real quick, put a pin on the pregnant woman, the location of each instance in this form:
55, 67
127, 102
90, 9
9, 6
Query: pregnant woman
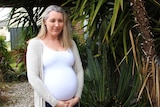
54, 67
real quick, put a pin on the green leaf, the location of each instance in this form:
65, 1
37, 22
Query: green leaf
99, 4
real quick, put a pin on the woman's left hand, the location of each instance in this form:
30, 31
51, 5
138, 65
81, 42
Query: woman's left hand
72, 102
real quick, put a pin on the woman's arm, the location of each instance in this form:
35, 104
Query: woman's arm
78, 69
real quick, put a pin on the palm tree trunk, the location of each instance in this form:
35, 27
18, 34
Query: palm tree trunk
148, 50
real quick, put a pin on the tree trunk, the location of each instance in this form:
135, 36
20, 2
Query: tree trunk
148, 51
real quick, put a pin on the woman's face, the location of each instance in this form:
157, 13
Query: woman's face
54, 23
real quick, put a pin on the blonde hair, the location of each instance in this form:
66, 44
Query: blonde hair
65, 35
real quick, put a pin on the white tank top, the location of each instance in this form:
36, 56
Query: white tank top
59, 77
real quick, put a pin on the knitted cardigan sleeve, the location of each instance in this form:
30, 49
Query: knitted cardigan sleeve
34, 71
78, 69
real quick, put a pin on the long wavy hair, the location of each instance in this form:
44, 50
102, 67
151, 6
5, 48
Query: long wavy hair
65, 35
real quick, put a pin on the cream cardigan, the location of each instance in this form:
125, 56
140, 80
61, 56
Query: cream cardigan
35, 73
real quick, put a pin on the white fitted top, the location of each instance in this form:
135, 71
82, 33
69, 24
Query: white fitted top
59, 77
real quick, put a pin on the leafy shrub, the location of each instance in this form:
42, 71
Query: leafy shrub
5, 68
20, 55
106, 85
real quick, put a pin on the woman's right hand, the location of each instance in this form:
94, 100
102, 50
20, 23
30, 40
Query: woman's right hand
61, 104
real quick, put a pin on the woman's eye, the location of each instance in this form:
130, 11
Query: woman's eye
52, 20
57, 21
60, 20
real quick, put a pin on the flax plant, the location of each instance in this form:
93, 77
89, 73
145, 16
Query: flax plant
104, 88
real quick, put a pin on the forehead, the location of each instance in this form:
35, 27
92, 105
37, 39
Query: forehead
55, 14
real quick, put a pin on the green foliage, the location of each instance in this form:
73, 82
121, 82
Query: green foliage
5, 69
9, 73
105, 87
107, 21
95, 90
20, 55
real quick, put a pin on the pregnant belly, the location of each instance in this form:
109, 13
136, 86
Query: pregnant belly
61, 83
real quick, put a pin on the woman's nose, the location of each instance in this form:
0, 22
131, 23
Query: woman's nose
56, 23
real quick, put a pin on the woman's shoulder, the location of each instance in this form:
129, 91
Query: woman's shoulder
73, 42
34, 41
74, 45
